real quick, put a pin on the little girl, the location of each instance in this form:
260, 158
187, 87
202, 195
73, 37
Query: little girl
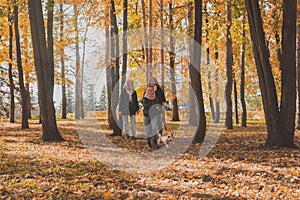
151, 115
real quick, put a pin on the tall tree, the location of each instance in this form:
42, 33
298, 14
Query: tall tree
107, 65
162, 44
10, 72
150, 51
218, 111
125, 53
298, 64
62, 63
193, 114
242, 68
144, 25
280, 120
115, 66
195, 74
229, 63
236, 111
44, 72
23, 91
79, 71
175, 114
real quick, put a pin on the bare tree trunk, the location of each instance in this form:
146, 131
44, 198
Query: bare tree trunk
150, 52
26, 73
62, 63
242, 68
211, 101
23, 91
229, 60
27, 87
108, 65
175, 114
162, 45
115, 68
145, 40
236, 111
288, 79
50, 9
44, 72
125, 29
298, 69
79, 71
193, 114
195, 72
280, 121
10, 74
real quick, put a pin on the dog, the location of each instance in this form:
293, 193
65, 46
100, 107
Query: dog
165, 139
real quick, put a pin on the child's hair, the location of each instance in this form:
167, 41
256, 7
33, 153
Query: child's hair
150, 85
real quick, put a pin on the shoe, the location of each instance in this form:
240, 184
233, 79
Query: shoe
126, 137
133, 138
149, 143
154, 139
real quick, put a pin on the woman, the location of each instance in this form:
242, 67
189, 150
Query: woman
159, 93
151, 115
129, 106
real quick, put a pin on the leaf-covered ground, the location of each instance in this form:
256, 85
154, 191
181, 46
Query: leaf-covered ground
237, 168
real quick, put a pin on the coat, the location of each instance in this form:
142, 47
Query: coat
147, 104
127, 107
160, 94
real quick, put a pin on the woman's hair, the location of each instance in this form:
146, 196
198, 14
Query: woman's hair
152, 79
126, 84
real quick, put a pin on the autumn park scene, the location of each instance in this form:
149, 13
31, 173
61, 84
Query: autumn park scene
144, 99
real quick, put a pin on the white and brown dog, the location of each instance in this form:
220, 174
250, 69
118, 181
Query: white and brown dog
165, 139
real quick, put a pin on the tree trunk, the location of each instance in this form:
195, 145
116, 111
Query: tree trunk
236, 111
162, 45
125, 53
10, 73
218, 112
242, 68
175, 114
229, 61
211, 101
44, 72
195, 74
79, 71
114, 71
298, 68
145, 40
27, 87
150, 51
288, 79
23, 91
107, 66
193, 114
280, 121
62, 63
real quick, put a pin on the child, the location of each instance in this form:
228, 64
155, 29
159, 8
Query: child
151, 115
129, 106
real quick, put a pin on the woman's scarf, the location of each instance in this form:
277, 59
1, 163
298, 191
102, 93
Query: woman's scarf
150, 97
129, 92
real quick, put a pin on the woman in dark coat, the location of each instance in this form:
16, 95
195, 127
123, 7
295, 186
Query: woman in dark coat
151, 115
159, 93
129, 106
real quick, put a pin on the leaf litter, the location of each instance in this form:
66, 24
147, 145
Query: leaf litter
236, 168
